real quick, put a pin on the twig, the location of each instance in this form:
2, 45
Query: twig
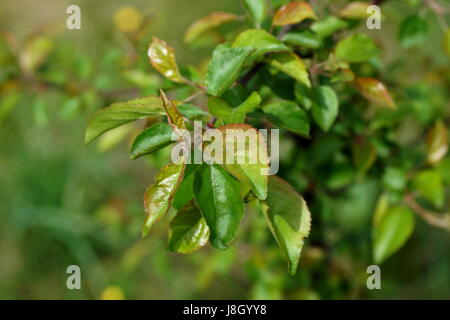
435, 219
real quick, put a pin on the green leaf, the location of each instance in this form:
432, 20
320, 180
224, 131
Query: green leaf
325, 107
158, 197
257, 11
192, 112
375, 91
303, 95
356, 48
151, 139
162, 57
120, 113
290, 64
303, 38
429, 184
328, 26
207, 23
221, 110
252, 169
262, 41
217, 194
185, 192
224, 68
293, 12
413, 31
364, 155
391, 232
288, 115
437, 142
188, 230
288, 218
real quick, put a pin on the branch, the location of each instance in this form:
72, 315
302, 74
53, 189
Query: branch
432, 218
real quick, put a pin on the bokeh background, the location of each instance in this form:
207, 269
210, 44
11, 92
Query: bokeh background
62, 203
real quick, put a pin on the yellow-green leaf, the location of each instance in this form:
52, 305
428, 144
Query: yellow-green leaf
209, 22
162, 57
290, 64
375, 91
188, 230
355, 10
120, 113
293, 12
288, 218
158, 197
437, 142
391, 233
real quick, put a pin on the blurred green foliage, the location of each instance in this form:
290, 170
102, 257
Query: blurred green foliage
63, 204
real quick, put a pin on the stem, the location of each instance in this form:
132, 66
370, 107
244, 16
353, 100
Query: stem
432, 218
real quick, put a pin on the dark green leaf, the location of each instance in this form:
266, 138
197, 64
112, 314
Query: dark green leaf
413, 31
151, 139
217, 194
288, 115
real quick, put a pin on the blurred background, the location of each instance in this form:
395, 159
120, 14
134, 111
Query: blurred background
62, 203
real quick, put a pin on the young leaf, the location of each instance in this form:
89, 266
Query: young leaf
219, 109
290, 64
413, 31
158, 197
293, 12
174, 117
217, 194
356, 48
225, 67
207, 23
391, 232
437, 142
262, 41
288, 115
151, 139
188, 230
429, 184
288, 218
375, 91
238, 114
303, 38
257, 11
162, 57
121, 113
252, 171
355, 10
325, 107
